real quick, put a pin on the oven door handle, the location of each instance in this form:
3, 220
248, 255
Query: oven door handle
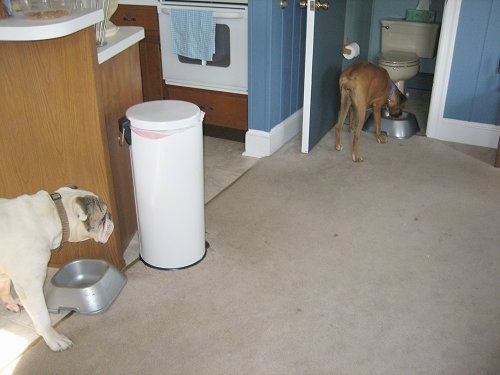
225, 15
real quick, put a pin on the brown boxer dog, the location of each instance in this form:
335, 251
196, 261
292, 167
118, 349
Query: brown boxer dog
364, 85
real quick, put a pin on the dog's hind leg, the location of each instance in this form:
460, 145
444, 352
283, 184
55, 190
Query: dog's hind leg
6, 296
377, 119
352, 119
345, 105
360, 113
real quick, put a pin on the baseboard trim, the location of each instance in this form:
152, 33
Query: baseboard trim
471, 133
259, 144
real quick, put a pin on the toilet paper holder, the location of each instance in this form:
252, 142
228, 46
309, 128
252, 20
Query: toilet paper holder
351, 50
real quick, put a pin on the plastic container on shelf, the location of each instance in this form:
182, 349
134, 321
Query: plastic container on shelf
46, 9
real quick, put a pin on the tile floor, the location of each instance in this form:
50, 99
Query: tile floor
224, 164
418, 103
17, 332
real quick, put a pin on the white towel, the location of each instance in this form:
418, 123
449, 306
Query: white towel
193, 33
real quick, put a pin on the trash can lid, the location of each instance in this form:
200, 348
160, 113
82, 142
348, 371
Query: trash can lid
161, 115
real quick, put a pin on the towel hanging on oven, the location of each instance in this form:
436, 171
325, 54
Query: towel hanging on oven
193, 33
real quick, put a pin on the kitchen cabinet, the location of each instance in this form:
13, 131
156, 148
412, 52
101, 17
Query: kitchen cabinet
59, 125
150, 55
226, 114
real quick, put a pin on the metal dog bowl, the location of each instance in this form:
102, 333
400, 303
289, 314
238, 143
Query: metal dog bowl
403, 126
87, 286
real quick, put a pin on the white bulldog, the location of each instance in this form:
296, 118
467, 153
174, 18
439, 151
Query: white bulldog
30, 227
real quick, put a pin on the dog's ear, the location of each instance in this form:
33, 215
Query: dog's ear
90, 210
79, 208
87, 206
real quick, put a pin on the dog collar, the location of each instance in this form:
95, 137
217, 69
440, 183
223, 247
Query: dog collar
56, 197
391, 93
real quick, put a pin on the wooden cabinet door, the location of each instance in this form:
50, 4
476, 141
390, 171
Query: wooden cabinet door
121, 89
221, 108
51, 128
150, 55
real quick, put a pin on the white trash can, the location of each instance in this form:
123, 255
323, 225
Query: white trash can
167, 164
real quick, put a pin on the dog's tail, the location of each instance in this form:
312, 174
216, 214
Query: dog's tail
346, 90
346, 84
345, 101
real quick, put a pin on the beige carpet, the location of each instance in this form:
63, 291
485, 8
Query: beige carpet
319, 265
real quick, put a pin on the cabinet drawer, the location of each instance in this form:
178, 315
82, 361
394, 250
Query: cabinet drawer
136, 15
221, 108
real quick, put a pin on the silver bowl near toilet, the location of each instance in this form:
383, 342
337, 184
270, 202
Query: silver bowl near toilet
400, 127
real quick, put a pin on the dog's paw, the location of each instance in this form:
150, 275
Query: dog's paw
58, 342
339, 147
356, 159
15, 307
12, 304
381, 138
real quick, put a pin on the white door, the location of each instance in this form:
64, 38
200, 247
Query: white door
323, 65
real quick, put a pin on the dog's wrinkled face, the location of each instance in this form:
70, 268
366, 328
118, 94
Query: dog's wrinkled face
396, 104
88, 215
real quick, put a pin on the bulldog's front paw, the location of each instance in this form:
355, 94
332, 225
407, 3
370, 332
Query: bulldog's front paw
58, 342
339, 147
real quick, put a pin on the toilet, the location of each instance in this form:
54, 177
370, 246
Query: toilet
403, 43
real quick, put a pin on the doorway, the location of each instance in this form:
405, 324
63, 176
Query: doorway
420, 87
362, 18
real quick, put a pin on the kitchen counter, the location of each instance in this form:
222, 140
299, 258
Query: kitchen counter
68, 118
22, 28
123, 39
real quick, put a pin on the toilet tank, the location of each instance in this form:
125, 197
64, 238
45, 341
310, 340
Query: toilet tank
417, 37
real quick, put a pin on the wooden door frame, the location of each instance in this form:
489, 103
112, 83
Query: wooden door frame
307, 81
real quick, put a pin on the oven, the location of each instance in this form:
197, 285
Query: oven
228, 69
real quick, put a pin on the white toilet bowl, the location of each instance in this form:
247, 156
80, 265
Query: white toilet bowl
401, 66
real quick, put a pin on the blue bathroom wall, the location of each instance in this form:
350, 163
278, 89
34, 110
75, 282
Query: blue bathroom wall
357, 27
397, 9
474, 84
276, 62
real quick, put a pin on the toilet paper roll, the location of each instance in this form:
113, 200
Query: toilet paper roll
351, 51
